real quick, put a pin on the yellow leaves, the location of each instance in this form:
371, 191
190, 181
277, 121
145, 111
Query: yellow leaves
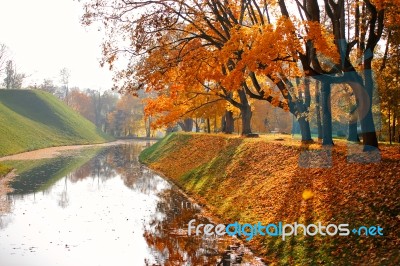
307, 194
275, 101
322, 40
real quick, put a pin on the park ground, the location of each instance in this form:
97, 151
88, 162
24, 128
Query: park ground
252, 180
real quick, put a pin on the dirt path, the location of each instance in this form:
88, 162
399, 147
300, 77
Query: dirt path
52, 152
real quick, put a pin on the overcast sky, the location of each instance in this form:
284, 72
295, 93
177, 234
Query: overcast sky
45, 36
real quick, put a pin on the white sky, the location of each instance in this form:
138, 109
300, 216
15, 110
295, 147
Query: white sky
46, 35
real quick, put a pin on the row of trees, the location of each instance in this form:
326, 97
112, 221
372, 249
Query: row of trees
205, 58
120, 116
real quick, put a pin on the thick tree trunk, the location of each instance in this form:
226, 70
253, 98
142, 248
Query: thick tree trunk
196, 123
353, 134
245, 110
186, 125
302, 118
208, 126
246, 119
305, 129
367, 121
326, 114
227, 122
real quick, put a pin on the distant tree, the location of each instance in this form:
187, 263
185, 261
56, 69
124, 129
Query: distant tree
82, 103
13, 79
9, 75
103, 105
65, 74
128, 117
48, 86
4, 53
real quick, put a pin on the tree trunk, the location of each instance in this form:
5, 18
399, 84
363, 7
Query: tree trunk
305, 129
318, 110
246, 119
353, 135
302, 118
326, 114
394, 127
390, 129
245, 110
398, 130
367, 121
228, 123
208, 125
148, 127
186, 125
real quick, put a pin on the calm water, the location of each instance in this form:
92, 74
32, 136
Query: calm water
102, 207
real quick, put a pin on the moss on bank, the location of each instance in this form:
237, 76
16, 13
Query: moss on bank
251, 180
4, 170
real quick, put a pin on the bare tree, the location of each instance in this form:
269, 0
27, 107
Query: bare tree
4, 54
13, 79
65, 74
48, 86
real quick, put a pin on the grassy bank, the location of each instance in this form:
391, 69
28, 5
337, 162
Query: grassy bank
251, 180
33, 119
4, 170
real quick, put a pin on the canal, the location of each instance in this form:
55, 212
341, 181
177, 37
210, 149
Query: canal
100, 206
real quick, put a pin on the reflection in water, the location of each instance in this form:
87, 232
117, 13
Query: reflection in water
104, 208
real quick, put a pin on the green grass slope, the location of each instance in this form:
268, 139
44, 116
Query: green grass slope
32, 120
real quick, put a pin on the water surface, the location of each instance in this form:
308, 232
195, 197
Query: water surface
100, 206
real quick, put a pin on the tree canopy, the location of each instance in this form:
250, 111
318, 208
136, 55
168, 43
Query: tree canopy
201, 58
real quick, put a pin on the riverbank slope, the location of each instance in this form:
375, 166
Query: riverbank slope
261, 180
32, 120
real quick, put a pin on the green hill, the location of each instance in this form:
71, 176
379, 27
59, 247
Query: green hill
31, 120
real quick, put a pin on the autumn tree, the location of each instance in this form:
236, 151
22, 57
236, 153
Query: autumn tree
82, 103
389, 84
355, 40
187, 22
127, 119
256, 49
104, 104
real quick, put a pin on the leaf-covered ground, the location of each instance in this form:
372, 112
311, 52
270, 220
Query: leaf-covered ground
267, 180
